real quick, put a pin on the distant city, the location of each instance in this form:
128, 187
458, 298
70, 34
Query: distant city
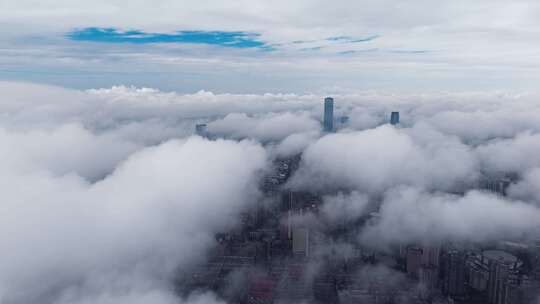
276, 257
270, 152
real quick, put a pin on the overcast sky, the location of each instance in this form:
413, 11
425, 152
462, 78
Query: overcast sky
106, 192
302, 46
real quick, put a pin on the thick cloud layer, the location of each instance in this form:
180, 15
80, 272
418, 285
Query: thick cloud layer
344, 208
378, 159
106, 192
528, 188
410, 215
125, 235
266, 128
64, 149
517, 154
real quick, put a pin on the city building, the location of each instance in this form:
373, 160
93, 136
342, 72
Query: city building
341, 122
528, 292
478, 273
502, 267
414, 261
394, 118
328, 114
421, 257
429, 276
300, 242
454, 270
201, 130
272, 255
430, 255
261, 290
497, 185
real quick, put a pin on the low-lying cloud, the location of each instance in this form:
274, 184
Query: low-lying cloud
107, 193
409, 215
125, 235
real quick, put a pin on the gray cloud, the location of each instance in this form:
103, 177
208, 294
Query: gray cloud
344, 208
106, 193
517, 154
528, 188
494, 49
381, 158
269, 127
64, 149
410, 215
295, 143
135, 227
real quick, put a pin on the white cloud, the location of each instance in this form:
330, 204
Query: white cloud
470, 45
105, 193
381, 158
138, 224
269, 127
408, 215
344, 208
517, 154
295, 143
63, 150
528, 188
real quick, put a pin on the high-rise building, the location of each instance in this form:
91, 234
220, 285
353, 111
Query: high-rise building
201, 130
525, 293
477, 272
414, 261
428, 276
341, 122
328, 114
344, 120
430, 255
502, 266
498, 185
394, 118
300, 242
454, 269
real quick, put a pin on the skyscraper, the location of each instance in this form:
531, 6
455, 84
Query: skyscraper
414, 260
329, 114
300, 242
394, 118
201, 130
501, 266
454, 269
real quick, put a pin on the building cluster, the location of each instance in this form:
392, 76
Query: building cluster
331, 123
282, 253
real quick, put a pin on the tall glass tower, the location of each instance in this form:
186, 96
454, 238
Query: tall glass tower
394, 118
329, 114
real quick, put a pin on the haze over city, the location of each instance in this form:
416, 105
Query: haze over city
269, 152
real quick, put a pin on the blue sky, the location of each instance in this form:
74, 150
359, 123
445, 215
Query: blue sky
254, 46
219, 38
226, 39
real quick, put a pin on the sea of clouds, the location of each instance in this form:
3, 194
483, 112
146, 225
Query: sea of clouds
106, 193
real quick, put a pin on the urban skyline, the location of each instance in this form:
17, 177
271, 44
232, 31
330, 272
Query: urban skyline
256, 152
283, 240
370, 210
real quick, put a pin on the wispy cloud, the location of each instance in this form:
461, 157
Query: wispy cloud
372, 50
333, 41
349, 52
349, 39
219, 38
408, 51
317, 48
